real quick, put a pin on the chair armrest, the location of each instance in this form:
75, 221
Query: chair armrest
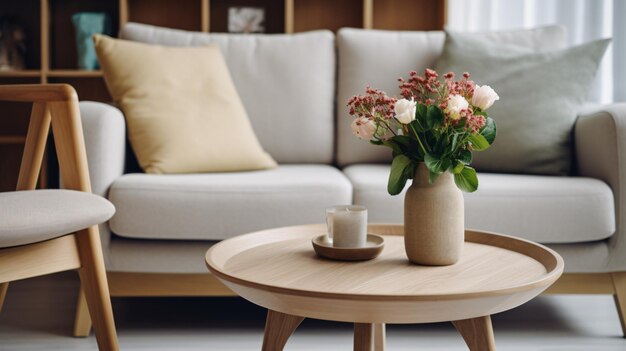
600, 137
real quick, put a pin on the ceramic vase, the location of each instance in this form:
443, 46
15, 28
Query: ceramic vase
434, 220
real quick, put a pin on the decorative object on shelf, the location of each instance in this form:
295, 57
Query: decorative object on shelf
12, 44
432, 129
86, 25
246, 20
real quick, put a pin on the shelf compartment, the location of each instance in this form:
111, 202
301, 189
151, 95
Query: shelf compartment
27, 13
409, 14
179, 14
20, 73
74, 73
327, 14
88, 88
63, 54
10, 160
274, 14
12, 139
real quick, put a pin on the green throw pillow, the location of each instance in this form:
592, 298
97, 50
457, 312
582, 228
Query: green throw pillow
540, 95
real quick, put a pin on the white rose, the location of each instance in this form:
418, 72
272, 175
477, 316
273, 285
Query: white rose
405, 110
484, 97
456, 103
363, 128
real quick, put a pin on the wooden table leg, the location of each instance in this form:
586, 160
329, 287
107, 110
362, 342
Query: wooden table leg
278, 329
369, 337
477, 333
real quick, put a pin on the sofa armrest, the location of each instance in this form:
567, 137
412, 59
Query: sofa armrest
104, 129
105, 140
600, 137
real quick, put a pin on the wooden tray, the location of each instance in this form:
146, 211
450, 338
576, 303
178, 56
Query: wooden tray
278, 270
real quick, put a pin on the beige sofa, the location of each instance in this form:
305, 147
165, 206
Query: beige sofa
294, 88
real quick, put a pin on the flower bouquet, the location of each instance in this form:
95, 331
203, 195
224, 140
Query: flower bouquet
437, 122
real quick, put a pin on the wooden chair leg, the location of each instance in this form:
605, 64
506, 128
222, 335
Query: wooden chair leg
619, 284
82, 321
278, 329
93, 280
477, 333
3, 293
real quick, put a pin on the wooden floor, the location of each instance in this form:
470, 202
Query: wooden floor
38, 316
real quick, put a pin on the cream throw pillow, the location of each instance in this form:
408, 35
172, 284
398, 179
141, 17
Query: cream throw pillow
182, 109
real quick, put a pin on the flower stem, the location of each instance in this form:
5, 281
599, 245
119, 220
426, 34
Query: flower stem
418, 139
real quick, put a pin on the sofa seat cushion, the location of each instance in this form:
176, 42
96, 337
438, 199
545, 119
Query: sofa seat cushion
540, 208
221, 205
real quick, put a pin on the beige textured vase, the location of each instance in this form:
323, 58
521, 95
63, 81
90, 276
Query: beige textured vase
434, 220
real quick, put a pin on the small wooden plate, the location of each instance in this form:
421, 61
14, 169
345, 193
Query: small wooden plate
373, 247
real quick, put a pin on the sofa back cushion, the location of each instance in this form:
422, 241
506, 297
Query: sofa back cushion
286, 83
378, 58
182, 110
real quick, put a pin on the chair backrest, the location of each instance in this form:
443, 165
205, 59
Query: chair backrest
54, 105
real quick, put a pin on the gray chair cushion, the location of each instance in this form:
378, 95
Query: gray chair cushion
32, 216
540, 208
216, 206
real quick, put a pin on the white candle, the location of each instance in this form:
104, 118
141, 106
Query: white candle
347, 225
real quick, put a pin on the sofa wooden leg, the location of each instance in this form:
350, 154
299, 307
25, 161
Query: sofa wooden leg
82, 322
619, 283
3, 293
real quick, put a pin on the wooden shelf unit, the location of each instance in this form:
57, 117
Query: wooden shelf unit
51, 48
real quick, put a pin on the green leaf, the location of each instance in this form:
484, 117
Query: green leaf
398, 174
434, 117
436, 164
480, 112
418, 126
455, 140
458, 168
479, 142
394, 146
465, 157
421, 112
376, 142
489, 130
466, 179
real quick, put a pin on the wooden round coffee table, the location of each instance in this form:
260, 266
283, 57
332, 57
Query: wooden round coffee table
277, 269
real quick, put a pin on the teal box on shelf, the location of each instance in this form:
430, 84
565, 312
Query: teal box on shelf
87, 24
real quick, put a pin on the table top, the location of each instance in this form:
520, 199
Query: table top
282, 260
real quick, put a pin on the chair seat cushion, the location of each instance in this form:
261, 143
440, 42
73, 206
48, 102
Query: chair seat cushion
545, 209
32, 216
221, 205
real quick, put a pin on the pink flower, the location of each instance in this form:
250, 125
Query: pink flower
363, 128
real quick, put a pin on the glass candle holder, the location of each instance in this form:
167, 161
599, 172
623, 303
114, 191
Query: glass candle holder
347, 225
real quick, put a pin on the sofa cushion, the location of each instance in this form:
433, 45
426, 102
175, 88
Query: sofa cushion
378, 58
183, 112
286, 83
540, 95
540, 208
218, 206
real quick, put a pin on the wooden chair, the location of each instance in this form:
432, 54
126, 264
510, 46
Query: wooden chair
47, 231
